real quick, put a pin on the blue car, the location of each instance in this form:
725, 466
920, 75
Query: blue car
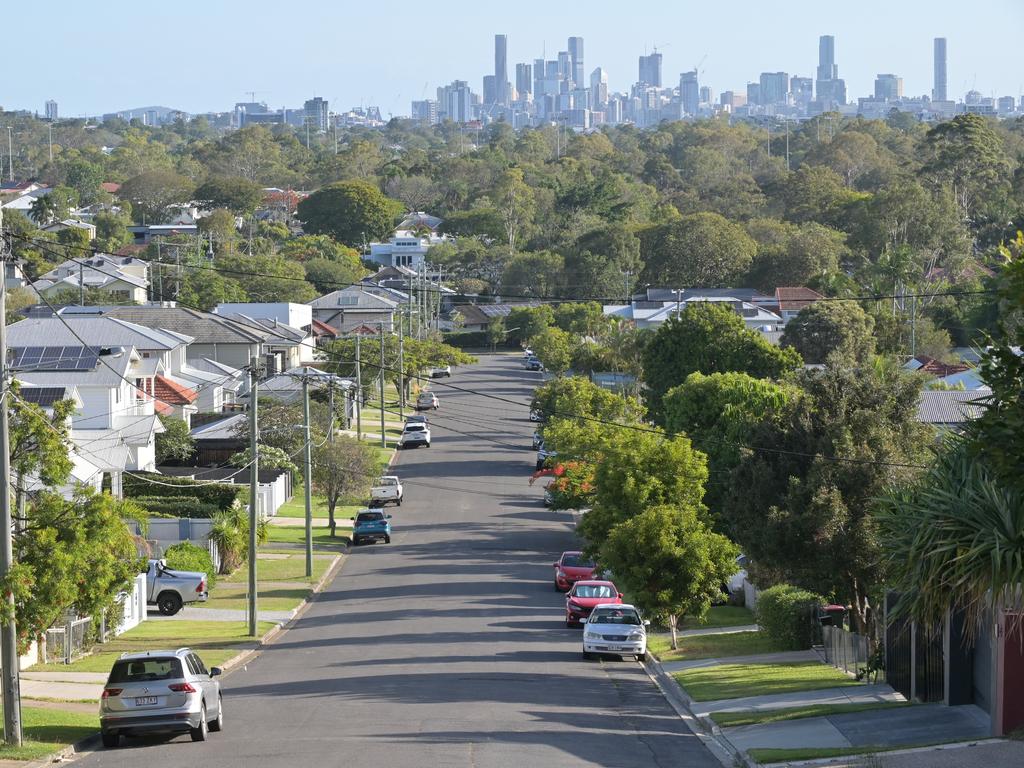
371, 525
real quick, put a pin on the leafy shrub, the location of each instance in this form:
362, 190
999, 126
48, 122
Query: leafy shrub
186, 556
223, 495
177, 506
787, 614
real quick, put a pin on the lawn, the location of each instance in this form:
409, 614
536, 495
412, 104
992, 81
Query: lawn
47, 730
713, 646
720, 616
760, 717
296, 534
766, 755
233, 597
292, 568
215, 641
730, 681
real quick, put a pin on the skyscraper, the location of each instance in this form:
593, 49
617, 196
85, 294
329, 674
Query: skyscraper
939, 89
316, 114
51, 110
888, 87
501, 69
598, 88
802, 89
689, 92
576, 61
774, 87
524, 80
827, 69
831, 90
650, 70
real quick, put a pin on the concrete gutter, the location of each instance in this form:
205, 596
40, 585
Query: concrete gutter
854, 761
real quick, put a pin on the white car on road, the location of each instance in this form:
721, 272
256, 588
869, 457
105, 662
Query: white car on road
414, 435
616, 629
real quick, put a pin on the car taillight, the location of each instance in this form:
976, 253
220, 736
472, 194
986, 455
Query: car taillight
182, 688
202, 587
108, 692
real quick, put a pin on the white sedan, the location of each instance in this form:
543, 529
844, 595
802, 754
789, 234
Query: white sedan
616, 629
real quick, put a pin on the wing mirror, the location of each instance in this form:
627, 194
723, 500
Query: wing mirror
647, 622
583, 620
216, 672
554, 565
388, 516
621, 595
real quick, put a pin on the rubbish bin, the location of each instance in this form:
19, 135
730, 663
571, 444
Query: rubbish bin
832, 616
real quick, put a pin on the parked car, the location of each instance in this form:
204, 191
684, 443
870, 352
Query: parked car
572, 567
615, 629
427, 400
169, 590
444, 372
160, 692
536, 414
417, 418
537, 440
584, 595
533, 364
414, 435
387, 488
543, 454
371, 525
549, 496
527, 353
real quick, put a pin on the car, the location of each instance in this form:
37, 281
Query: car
536, 415
414, 435
527, 353
533, 364
615, 628
584, 595
160, 692
537, 440
549, 496
571, 567
386, 488
443, 372
427, 400
170, 589
371, 525
416, 418
543, 454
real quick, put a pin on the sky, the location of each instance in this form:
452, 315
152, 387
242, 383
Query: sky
110, 55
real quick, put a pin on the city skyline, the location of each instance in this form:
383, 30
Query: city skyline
373, 75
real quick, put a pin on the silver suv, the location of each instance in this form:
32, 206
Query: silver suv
160, 692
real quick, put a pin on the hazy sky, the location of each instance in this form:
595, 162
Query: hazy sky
107, 55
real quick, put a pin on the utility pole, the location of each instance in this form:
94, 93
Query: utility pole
50, 126
81, 284
308, 478
401, 365
9, 631
359, 391
383, 433
787, 143
330, 394
255, 368
913, 325
10, 154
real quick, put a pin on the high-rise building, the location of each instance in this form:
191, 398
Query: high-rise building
524, 80
1006, 105
576, 61
316, 116
598, 88
490, 90
689, 92
888, 87
501, 94
831, 90
802, 89
827, 68
51, 110
731, 99
774, 87
706, 94
650, 70
538, 77
939, 92
753, 93
564, 65
425, 111
456, 101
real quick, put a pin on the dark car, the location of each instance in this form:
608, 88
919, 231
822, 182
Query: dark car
533, 364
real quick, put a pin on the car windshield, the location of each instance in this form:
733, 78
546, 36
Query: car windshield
144, 670
590, 590
370, 517
576, 561
414, 428
615, 617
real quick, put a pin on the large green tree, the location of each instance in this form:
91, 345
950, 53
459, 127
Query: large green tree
553, 348
152, 193
342, 469
352, 212
239, 195
831, 328
703, 250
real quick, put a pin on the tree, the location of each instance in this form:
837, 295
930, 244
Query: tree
269, 277
175, 442
533, 274
221, 227
708, 338
342, 469
704, 250
152, 193
553, 347
585, 318
515, 204
239, 195
329, 276
528, 322
416, 193
39, 443
352, 212
604, 262
670, 561
831, 328
817, 193
53, 206
324, 247
112, 231
574, 397
85, 178
793, 255
496, 332
205, 289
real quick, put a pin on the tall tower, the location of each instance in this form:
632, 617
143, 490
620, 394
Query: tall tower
501, 69
939, 91
650, 70
689, 92
827, 69
576, 61
830, 89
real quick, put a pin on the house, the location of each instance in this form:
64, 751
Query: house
356, 305
288, 318
217, 441
418, 220
405, 248
22, 196
951, 409
477, 317
123, 278
60, 226
651, 313
144, 233
789, 301
287, 387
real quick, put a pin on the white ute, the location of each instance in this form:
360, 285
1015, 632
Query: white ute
387, 489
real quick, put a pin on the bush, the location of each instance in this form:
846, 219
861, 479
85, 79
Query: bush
186, 556
177, 506
223, 495
787, 614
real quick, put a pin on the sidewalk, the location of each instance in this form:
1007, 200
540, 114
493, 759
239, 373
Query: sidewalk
64, 686
867, 694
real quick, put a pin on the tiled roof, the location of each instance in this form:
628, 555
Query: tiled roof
172, 392
323, 329
933, 367
796, 298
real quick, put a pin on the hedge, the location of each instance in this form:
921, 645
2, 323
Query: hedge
177, 506
222, 495
186, 556
788, 614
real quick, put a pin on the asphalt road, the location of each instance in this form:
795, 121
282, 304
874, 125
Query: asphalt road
446, 647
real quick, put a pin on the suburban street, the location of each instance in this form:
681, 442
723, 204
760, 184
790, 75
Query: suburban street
446, 647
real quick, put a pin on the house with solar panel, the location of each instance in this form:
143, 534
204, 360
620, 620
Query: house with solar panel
124, 278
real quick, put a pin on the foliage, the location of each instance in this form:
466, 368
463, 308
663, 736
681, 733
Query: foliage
186, 556
238, 195
54, 206
112, 231
793, 255
342, 469
574, 488
703, 249
268, 277
329, 276
670, 561
271, 457
553, 347
230, 532
523, 323
585, 318
152, 193
352, 212
570, 397
39, 442
175, 442
533, 274
309, 247
787, 614
831, 328
177, 506
223, 495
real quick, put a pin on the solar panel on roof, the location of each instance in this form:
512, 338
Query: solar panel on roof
44, 397
54, 358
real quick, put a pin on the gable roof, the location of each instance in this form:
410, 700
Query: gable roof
171, 392
204, 328
951, 407
476, 314
98, 331
933, 367
362, 297
795, 299
320, 329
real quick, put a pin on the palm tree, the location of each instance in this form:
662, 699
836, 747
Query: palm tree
955, 541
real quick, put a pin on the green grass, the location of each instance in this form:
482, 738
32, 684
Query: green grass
722, 616
47, 730
730, 681
296, 534
215, 641
769, 755
713, 646
761, 717
233, 597
291, 569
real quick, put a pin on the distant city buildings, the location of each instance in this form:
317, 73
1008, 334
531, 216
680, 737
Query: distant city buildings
888, 87
939, 88
51, 110
317, 116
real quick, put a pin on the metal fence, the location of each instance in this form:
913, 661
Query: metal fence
65, 644
845, 650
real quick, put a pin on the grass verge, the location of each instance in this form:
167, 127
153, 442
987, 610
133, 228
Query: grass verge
721, 616
769, 755
713, 646
731, 681
762, 717
291, 568
47, 730
296, 534
233, 597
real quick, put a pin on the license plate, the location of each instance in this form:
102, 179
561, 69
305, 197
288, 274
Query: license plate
619, 648
145, 701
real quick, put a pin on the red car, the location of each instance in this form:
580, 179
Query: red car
584, 595
570, 568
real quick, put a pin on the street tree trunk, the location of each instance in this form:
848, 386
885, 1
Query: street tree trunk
673, 625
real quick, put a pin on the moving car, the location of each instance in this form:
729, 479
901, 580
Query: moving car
584, 595
570, 568
414, 435
444, 372
427, 400
543, 454
537, 440
169, 590
615, 629
536, 414
371, 525
160, 692
533, 364
387, 488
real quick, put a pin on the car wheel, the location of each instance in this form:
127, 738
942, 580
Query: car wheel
356, 541
641, 657
111, 740
200, 733
169, 603
218, 725
428, 445
387, 539
587, 655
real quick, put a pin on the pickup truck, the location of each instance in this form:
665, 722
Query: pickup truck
169, 590
371, 525
387, 488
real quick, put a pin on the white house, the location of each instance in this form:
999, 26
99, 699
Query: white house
124, 278
652, 313
84, 226
285, 318
405, 248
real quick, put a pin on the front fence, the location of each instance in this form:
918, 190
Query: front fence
844, 650
65, 644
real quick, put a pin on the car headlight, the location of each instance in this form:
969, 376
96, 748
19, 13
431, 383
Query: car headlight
591, 635
636, 635
561, 575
